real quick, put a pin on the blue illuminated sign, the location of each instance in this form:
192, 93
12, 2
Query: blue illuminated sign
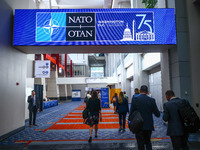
94, 27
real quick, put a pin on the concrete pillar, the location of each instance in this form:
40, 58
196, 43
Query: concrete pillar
69, 91
179, 56
52, 88
29, 81
136, 71
123, 73
161, 4
165, 75
62, 92
140, 77
193, 15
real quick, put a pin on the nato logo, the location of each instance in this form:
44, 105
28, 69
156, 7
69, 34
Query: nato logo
50, 27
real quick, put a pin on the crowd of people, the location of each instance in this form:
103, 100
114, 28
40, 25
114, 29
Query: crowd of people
146, 105
142, 102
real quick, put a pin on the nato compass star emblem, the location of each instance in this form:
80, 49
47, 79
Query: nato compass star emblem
51, 27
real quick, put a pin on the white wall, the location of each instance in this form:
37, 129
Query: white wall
79, 58
155, 88
13, 70
150, 60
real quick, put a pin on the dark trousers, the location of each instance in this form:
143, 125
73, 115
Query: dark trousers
180, 142
144, 139
32, 115
122, 116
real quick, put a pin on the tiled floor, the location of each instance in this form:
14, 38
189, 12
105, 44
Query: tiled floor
62, 127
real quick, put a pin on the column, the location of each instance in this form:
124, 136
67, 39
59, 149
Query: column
179, 56
62, 92
52, 88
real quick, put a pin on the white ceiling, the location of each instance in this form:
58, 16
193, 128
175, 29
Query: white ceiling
80, 3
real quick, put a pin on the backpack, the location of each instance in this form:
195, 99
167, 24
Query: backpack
85, 114
189, 117
136, 122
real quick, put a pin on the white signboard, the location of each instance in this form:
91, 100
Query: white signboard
42, 69
96, 80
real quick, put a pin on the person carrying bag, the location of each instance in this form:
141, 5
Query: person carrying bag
143, 107
135, 120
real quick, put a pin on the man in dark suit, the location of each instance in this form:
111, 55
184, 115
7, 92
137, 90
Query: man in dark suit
33, 107
146, 106
175, 128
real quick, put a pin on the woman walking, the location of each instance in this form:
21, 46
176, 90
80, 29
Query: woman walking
114, 99
94, 109
122, 109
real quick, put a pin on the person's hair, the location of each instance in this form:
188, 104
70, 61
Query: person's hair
170, 93
121, 97
136, 91
33, 91
124, 92
144, 89
94, 95
115, 95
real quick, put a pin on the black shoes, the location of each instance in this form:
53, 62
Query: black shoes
120, 129
123, 130
95, 136
90, 139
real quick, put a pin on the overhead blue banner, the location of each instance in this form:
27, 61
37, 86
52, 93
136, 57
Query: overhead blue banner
94, 27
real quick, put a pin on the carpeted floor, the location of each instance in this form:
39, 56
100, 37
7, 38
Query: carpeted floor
63, 124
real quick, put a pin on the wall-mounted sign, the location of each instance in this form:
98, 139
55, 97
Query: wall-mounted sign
76, 95
94, 27
42, 69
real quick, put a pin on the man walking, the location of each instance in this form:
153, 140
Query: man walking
33, 107
146, 106
175, 128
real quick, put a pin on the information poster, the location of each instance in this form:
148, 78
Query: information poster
76, 95
42, 69
105, 97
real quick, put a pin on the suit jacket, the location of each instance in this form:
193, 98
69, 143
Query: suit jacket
123, 107
175, 125
30, 102
147, 107
133, 97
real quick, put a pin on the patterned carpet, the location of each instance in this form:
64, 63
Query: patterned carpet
63, 124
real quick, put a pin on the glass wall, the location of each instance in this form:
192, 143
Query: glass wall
97, 71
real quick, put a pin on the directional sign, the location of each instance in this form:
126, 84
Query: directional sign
42, 69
